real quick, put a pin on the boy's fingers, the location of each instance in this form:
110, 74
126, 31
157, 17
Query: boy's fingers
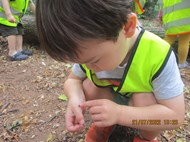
79, 116
69, 123
82, 106
80, 120
91, 103
72, 126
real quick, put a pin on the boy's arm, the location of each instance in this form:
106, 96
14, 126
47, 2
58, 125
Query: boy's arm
73, 87
170, 107
74, 114
168, 91
7, 10
168, 113
32, 6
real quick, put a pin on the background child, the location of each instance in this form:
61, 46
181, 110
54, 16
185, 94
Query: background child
139, 4
11, 13
122, 72
175, 17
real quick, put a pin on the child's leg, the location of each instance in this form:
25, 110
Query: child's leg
94, 133
138, 100
93, 92
145, 99
11, 44
170, 39
183, 47
19, 41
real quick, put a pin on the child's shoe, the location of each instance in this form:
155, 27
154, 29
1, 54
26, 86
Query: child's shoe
18, 57
184, 65
137, 139
26, 52
98, 134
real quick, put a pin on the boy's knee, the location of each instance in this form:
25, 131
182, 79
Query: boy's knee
143, 99
92, 92
89, 88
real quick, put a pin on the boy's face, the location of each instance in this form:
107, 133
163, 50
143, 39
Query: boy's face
103, 55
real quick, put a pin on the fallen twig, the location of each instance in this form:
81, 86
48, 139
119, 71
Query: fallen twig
49, 120
13, 110
5, 106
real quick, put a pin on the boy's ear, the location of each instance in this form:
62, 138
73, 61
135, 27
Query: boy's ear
130, 26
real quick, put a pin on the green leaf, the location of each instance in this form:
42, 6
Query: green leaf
188, 114
50, 137
63, 97
180, 140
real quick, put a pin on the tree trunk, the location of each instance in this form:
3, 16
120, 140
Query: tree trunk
30, 35
150, 8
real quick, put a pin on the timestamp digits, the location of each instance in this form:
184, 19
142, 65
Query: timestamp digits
171, 122
146, 122
155, 122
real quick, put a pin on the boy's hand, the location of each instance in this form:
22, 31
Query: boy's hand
74, 117
103, 112
11, 18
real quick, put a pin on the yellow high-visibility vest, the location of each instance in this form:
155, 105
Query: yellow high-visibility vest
18, 9
176, 16
146, 62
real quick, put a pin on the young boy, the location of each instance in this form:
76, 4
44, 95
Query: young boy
11, 12
122, 74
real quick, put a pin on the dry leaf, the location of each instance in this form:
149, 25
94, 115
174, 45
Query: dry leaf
50, 137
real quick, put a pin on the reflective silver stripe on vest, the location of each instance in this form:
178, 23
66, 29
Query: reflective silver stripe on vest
178, 6
180, 22
13, 11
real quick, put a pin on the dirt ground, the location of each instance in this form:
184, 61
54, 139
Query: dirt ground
30, 110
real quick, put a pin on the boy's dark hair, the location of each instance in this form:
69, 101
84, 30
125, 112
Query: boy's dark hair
63, 24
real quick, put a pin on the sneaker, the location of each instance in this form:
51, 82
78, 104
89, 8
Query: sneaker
26, 52
184, 65
18, 57
137, 139
98, 134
